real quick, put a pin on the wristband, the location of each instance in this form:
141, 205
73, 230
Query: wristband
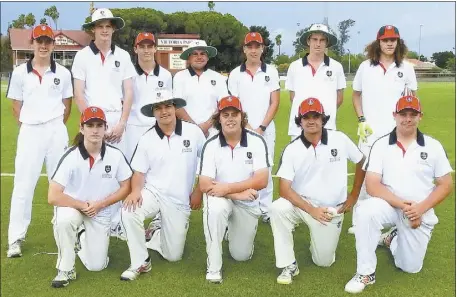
263, 128
361, 119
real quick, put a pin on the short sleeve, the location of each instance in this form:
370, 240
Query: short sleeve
68, 85
411, 81
341, 78
374, 161
442, 165
222, 90
261, 157
124, 171
169, 82
129, 70
62, 174
78, 68
286, 165
353, 152
201, 139
274, 80
207, 166
233, 83
178, 86
289, 85
140, 160
15, 86
357, 83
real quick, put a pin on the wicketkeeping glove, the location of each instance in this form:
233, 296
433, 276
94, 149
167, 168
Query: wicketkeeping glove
364, 130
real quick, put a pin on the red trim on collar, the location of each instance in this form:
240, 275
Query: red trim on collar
402, 147
38, 74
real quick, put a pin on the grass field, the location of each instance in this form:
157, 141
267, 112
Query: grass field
31, 275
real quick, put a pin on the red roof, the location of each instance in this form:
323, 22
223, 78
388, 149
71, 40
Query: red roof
20, 39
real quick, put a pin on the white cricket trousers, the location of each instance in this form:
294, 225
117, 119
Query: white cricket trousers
266, 195
94, 240
365, 149
133, 134
35, 144
284, 216
408, 247
169, 241
220, 213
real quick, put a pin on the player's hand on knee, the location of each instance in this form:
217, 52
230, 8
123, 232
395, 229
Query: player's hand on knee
133, 201
416, 223
195, 201
218, 189
249, 195
321, 214
90, 210
348, 204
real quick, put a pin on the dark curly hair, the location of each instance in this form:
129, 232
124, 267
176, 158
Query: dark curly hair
373, 51
324, 120
215, 120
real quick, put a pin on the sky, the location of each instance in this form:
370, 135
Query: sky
437, 32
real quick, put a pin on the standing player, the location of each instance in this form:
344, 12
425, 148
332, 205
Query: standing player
257, 86
90, 177
164, 164
103, 75
316, 75
377, 85
234, 166
408, 174
313, 189
199, 86
151, 78
40, 91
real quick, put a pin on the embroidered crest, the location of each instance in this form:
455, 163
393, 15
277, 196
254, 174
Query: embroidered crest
186, 143
56, 81
102, 12
400, 74
310, 101
229, 99
329, 73
146, 34
43, 28
253, 34
389, 27
159, 95
424, 155
108, 168
160, 83
249, 155
267, 78
213, 82
409, 99
117, 63
93, 109
334, 152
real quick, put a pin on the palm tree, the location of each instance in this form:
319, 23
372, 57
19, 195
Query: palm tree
278, 42
52, 13
211, 5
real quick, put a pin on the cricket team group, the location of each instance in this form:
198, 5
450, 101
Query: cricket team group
153, 146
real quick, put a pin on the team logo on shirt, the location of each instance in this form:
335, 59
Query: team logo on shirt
329, 73
249, 156
213, 82
160, 83
334, 153
424, 155
267, 78
400, 74
186, 148
117, 64
56, 81
108, 168
107, 172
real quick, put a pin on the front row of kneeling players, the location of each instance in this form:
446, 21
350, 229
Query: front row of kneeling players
234, 164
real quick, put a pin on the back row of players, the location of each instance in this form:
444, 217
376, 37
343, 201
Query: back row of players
129, 108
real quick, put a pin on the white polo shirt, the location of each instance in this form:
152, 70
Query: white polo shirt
381, 88
81, 182
321, 83
200, 92
41, 96
144, 87
225, 164
410, 173
170, 163
254, 90
319, 173
103, 75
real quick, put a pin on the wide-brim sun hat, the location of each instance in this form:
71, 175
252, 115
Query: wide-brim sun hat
103, 14
160, 97
199, 45
319, 28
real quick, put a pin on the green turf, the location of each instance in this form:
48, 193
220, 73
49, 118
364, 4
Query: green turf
31, 275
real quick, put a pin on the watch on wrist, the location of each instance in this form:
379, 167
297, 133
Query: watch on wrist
361, 119
263, 128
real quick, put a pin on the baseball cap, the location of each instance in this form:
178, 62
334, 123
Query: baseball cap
408, 102
310, 105
229, 101
144, 36
253, 37
91, 113
42, 30
388, 31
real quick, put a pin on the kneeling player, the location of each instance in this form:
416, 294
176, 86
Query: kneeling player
90, 177
313, 189
164, 164
408, 174
233, 168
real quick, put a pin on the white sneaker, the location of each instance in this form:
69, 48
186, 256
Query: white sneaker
63, 278
155, 225
14, 249
118, 232
214, 277
265, 218
132, 274
351, 230
285, 278
359, 282
386, 238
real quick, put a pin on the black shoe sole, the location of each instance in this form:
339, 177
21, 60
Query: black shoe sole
59, 284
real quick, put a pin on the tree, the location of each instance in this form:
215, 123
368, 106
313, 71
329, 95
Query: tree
343, 29
30, 20
19, 23
6, 57
450, 64
297, 44
412, 55
282, 59
269, 45
423, 58
282, 68
53, 14
278, 43
440, 58
211, 5
43, 21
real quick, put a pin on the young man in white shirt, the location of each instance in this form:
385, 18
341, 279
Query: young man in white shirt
378, 84
234, 167
41, 92
91, 177
199, 86
313, 189
256, 84
151, 78
164, 164
408, 174
316, 75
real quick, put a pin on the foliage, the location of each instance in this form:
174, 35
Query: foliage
440, 58
53, 14
450, 64
412, 55
278, 42
43, 21
6, 57
343, 29
211, 5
